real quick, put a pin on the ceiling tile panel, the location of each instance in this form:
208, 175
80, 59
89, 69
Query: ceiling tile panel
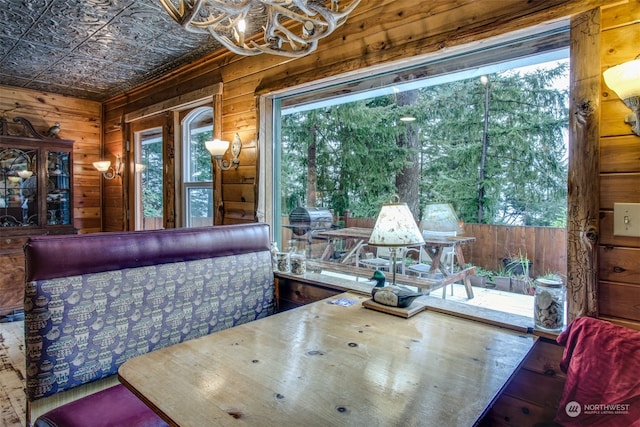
40, 58
93, 49
17, 17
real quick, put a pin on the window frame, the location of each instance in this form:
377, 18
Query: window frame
271, 105
185, 170
174, 109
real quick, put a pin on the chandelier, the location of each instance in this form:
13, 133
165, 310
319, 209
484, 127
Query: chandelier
291, 27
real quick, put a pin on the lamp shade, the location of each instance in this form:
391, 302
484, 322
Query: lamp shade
102, 165
624, 79
25, 174
395, 227
217, 147
440, 217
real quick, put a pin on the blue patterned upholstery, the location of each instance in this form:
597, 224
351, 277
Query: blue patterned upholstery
82, 328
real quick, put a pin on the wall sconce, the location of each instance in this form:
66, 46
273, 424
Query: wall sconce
217, 148
624, 80
109, 172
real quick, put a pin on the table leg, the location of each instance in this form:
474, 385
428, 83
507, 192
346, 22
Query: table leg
434, 253
467, 286
462, 264
328, 251
353, 251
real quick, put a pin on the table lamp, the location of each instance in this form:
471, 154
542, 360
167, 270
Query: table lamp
395, 228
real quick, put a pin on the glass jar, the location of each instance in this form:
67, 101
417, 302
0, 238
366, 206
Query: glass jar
274, 254
549, 303
298, 263
283, 260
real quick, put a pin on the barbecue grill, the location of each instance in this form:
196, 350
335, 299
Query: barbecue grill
305, 220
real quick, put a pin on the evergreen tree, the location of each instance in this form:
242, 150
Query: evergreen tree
356, 155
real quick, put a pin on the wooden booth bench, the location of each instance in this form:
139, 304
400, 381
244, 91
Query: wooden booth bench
93, 301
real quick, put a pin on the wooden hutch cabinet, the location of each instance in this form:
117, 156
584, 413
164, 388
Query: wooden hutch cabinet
36, 197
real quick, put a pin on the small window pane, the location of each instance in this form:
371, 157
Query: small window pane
200, 129
149, 180
199, 207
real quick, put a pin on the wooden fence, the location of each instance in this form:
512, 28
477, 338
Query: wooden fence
546, 247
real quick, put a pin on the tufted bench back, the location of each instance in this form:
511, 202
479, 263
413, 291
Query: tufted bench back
94, 301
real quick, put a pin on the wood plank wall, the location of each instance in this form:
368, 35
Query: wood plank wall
80, 120
619, 267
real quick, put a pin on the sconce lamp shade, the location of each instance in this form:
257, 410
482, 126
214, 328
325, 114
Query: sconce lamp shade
102, 166
217, 147
395, 227
624, 79
25, 174
108, 172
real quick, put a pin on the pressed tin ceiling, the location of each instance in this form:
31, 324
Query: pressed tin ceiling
92, 49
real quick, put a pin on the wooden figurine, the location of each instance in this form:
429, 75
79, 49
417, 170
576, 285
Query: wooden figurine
393, 296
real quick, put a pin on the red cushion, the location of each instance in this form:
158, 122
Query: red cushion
112, 407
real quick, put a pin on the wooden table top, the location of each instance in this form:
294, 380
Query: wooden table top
327, 364
347, 233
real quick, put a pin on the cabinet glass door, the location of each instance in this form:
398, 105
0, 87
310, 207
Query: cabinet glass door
58, 188
18, 187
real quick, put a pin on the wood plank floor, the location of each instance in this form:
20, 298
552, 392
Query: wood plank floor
12, 375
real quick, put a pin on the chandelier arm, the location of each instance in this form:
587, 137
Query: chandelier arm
229, 44
310, 47
227, 11
337, 18
213, 24
279, 10
275, 31
331, 21
171, 10
185, 13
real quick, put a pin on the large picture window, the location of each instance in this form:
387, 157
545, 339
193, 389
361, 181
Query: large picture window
485, 131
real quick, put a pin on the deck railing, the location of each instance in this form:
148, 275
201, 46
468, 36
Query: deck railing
546, 247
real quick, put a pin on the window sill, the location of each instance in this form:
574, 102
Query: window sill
341, 282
